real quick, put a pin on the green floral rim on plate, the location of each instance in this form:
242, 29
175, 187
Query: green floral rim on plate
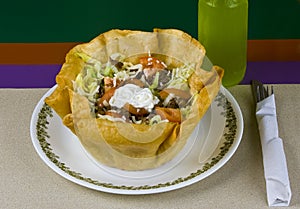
229, 135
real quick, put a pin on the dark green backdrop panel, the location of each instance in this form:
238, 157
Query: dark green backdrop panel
80, 21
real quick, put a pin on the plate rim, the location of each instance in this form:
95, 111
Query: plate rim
159, 188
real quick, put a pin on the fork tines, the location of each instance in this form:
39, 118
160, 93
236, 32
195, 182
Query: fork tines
269, 90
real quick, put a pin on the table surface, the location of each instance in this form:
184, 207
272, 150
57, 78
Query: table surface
27, 182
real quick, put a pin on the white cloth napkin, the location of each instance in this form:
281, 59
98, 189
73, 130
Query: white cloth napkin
275, 167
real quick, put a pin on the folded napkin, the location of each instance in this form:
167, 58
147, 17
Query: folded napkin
275, 167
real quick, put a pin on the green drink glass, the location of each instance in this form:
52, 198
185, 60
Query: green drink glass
222, 29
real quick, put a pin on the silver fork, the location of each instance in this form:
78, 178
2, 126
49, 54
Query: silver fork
274, 159
260, 91
269, 90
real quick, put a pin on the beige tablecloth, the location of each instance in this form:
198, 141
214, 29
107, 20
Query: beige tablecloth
27, 182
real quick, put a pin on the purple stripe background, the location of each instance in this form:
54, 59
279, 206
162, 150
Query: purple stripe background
43, 76
28, 76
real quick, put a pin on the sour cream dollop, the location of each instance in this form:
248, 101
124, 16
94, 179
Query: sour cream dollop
134, 95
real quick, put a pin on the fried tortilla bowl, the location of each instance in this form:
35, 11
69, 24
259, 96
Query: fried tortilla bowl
125, 145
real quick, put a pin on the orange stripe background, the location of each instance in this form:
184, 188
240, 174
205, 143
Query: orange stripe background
274, 50
54, 53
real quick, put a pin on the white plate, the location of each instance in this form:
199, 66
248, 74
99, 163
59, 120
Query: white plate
212, 144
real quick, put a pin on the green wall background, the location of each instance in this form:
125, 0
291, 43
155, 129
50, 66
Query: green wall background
80, 21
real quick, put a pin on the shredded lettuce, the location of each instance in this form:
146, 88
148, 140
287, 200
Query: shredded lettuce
122, 75
87, 83
180, 77
156, 119
109, 71
155, 82
86, 86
